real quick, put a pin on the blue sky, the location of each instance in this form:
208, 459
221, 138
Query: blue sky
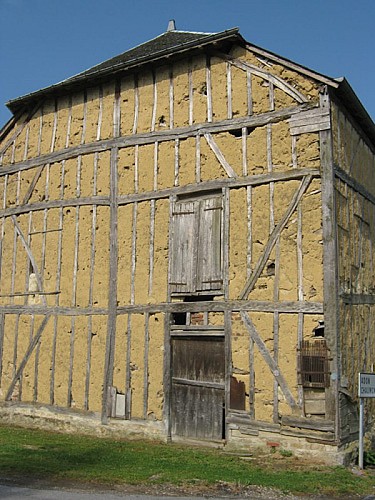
45, 41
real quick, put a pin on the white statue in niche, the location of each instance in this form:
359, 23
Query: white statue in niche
33, 287
33, 283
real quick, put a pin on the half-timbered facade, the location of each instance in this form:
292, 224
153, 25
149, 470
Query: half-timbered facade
187, 243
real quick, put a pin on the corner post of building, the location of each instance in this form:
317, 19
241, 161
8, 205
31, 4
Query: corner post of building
330, 269
112, 288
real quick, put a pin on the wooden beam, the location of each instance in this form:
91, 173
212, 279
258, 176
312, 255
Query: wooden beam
159, 135
112, 286
275, 369
2, 318
73, 202
330, 271
208, 88
26, 357
219, 155
354, 184
274, 235
357, 298
265, 75
31, 257
285, 307
20, 128
145, 366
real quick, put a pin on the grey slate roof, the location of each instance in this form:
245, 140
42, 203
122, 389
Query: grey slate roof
167, 44
167, 41
174, 42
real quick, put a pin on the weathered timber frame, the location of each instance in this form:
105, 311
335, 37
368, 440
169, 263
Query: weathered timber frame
308, 115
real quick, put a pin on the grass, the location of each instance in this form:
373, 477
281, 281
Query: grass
55, 457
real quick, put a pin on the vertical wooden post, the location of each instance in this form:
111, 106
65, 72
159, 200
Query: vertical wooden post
117, 109
249, 93
191, 93
145, 368
3, 223
136, 104
100, 114
154, 101
2, 318
276, 330
209, 88
176, 162
225, 240
58, 281
112, 287
171, 99
91, 285
197, 158
229, 90
330, 272
228, 365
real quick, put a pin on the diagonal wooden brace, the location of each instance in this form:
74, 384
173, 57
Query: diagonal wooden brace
219, 155
250, 283
269, 360
28, 353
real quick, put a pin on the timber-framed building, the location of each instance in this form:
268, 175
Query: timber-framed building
187, 248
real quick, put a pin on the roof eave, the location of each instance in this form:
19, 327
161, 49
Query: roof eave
223, 36
350, 100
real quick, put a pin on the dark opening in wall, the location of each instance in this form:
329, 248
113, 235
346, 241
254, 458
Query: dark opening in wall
238, 131
179, 318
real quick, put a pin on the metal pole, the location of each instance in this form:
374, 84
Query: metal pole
361, 419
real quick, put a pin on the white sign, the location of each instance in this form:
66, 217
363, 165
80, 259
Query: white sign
366, 385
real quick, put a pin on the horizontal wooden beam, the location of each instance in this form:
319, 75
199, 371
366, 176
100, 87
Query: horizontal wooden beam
252, 180
308, 423
72, 202
285, 307
157, 136
351, 182
357, 298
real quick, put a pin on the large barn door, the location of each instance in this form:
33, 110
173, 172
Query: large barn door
198, 391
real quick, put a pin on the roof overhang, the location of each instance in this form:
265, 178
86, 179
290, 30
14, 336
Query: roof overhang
90, 77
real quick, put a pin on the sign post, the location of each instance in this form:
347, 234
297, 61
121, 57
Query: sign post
366, 389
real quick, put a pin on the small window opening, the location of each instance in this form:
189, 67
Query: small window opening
179, 318
319, 330
199, 298
238, 131
271, 269
313, 367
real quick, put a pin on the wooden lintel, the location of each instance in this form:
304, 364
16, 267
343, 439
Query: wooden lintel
159, 135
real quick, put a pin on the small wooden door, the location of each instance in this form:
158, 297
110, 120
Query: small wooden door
198, 390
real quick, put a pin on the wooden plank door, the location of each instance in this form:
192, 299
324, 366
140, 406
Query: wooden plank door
198, 390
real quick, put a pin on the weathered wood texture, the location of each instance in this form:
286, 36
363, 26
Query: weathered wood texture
163, 221
354, 189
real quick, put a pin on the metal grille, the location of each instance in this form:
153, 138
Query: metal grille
313, 364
